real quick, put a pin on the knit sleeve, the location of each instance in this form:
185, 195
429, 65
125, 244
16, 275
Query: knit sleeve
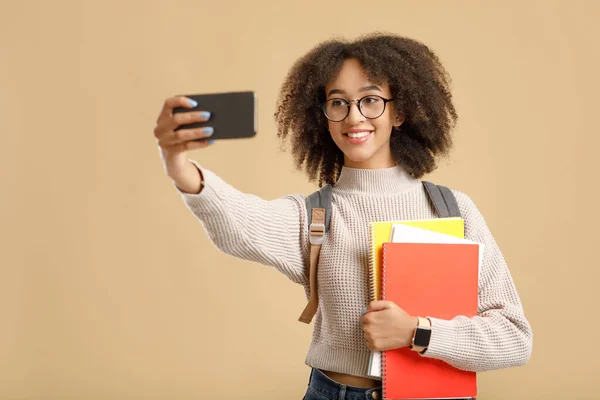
269, 232
499, 336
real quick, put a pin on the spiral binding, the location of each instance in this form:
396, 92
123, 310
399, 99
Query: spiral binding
372, 288
383, 353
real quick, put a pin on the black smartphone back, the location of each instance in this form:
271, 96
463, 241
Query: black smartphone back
233, 114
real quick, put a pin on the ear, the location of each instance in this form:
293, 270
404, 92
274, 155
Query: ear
399, 120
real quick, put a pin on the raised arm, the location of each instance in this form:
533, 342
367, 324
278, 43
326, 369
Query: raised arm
270, 232
243, 225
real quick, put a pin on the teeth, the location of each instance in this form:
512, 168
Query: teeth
359, 134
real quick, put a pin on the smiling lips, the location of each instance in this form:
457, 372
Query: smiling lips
357, 136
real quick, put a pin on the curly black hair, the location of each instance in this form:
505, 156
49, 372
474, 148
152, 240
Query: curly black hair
419, 85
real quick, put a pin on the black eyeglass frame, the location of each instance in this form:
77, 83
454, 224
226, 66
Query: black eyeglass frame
357, 101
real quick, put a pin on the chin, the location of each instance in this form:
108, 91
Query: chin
358, 157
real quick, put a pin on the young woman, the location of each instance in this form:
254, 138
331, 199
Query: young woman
370, 117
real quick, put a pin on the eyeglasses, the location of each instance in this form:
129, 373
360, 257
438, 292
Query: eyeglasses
371, 107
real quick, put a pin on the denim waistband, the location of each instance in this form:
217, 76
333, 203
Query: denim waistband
333, 390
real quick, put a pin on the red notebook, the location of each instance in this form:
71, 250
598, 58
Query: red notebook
430, 280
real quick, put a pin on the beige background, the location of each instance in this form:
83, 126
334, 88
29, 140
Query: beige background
109, 288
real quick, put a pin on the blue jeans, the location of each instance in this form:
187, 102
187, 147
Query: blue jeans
322, 387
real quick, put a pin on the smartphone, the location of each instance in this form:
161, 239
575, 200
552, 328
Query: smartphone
233, 114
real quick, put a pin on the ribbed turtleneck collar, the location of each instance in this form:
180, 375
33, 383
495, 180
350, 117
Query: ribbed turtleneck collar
383, 181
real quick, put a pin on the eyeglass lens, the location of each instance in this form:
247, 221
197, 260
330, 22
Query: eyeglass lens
370, 107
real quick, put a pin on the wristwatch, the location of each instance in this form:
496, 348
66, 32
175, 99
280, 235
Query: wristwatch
422, 335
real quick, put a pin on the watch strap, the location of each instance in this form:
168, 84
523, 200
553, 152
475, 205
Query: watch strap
422, 323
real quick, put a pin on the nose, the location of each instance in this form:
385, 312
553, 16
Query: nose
355, 116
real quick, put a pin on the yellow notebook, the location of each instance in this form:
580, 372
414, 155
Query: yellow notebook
381, 232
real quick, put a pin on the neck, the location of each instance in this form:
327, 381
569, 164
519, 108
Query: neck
378, 161
370, 164
375, 181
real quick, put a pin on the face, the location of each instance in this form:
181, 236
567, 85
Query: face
365, 142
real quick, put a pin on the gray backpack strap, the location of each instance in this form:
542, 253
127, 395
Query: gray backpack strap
450, 200
318, 207
443, 200
436, 198
320, 199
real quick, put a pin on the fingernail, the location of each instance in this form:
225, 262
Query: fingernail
208, 130
205, 115
211, 141
192, 102
364, 310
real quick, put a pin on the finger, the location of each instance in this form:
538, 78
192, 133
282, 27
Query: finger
173, 102
185, 135
189, 117
379, 305
366, 334
166, 127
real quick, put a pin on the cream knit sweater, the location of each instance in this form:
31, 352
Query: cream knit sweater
274, 233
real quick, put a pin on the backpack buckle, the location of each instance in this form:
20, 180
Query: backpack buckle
317, 233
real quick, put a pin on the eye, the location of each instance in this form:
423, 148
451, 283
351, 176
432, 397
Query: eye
335, 103
371, 100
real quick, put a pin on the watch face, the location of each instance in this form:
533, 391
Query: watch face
422, 337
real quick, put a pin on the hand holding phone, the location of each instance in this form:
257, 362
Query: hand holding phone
232, 115
191, 122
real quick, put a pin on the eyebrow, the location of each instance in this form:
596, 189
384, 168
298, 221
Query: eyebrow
365, 89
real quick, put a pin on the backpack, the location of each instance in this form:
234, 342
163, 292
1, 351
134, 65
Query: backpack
318, 207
